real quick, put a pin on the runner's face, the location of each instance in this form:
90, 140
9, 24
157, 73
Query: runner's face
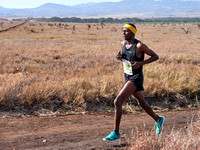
127, 34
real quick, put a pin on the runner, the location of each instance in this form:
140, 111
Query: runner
132, 56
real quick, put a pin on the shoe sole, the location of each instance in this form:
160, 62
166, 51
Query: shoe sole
111, 141
162, 123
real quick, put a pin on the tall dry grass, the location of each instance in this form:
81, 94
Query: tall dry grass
67, 67
186, 138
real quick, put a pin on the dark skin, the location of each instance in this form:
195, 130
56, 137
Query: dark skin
140, 50
130, 87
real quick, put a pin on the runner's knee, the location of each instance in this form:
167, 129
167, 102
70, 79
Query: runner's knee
118, 101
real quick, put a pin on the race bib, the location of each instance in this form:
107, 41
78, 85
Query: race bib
127, 67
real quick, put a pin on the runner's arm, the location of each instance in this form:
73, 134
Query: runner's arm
144, 49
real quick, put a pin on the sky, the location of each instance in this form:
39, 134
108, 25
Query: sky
36, 3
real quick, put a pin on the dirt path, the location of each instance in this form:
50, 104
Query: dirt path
76, 132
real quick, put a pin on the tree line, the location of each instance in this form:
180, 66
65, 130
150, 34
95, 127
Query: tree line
116, 20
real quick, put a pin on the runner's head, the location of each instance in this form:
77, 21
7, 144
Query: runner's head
131, 27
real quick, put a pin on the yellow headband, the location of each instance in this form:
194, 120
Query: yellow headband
131, 28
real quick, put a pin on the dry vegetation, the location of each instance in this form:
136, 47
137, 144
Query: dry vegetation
5, 24
72, 67
186, 138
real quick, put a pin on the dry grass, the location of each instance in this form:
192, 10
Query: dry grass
5, 24
186, 138
68, 67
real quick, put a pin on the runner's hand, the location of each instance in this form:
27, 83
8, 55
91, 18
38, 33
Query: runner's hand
119, 56
136, 64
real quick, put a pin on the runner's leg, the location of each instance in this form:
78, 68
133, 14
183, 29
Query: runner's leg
125, 92
139, 96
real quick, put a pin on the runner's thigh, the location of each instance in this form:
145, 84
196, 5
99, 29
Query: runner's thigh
127, 90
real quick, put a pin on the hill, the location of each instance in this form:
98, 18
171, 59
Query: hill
125, 8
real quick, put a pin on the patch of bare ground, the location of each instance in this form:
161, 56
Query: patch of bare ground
68, 67
85, 131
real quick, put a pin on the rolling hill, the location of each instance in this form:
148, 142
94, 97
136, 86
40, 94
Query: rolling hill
125, 8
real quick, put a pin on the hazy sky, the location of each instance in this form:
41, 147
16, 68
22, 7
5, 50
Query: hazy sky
36, 3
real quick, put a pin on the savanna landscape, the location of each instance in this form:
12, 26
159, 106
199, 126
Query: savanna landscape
58, 82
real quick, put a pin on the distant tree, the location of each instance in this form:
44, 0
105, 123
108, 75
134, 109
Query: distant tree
109, 20
198, 26
74, 28
59, 25
33, 31
50, 24
56, 19
66, 26
186, 30
1, 24
102, 20
116, 20
89, 26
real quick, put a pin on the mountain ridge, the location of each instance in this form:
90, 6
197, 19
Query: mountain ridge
125, 8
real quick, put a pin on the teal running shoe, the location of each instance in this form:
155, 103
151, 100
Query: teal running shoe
112, 137
159, 125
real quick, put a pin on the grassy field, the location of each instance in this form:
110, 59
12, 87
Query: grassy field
6, 24
186, 138
72, 66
